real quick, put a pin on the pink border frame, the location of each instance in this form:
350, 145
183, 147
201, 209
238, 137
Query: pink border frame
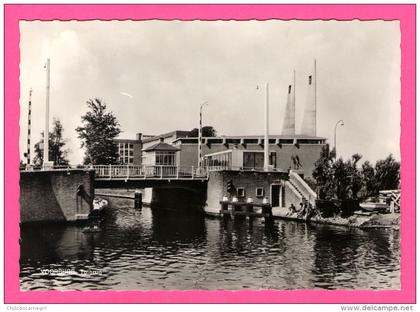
14, 13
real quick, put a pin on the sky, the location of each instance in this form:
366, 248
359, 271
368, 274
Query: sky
154, 75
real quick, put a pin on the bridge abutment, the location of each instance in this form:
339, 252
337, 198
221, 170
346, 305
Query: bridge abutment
56, 195
252, 184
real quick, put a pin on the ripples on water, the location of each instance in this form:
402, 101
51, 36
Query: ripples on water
143, 250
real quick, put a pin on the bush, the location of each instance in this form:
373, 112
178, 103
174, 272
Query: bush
327, 208
348, 207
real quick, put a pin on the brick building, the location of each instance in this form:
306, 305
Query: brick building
233, 152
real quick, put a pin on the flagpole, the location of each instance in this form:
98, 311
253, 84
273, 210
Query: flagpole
28, 149
315, 83
47, 117
294, 102
266, 142
200, 135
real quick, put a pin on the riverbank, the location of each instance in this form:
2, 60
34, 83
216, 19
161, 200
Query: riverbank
390, 220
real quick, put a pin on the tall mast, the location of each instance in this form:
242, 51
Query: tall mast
315, 83
28, 148
294, 102
47, 115
200, 136
266, 163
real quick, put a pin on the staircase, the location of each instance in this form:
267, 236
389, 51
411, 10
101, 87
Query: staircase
298, 185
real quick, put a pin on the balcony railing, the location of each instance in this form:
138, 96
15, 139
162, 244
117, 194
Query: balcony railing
148, 171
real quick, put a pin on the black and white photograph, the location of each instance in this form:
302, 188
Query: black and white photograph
210, 155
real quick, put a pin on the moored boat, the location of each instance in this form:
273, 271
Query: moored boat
99, 205
372, 206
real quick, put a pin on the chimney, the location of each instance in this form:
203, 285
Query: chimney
309, 116
139, 136
289, 116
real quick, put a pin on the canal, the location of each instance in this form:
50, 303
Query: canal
142, 249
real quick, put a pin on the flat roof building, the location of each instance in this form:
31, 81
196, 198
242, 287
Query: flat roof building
297, 152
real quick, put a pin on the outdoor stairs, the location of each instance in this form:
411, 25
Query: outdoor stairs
298, 185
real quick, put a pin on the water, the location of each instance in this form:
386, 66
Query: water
145, 250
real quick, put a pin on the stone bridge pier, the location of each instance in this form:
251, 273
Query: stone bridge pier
56, 195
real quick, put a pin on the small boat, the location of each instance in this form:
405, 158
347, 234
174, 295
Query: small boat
99, 203
98, 207
372, 206
92, 229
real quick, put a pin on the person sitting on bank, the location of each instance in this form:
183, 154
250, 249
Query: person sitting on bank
292, 210
302, 210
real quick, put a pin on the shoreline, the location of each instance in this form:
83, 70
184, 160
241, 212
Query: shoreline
356, 221
390, 220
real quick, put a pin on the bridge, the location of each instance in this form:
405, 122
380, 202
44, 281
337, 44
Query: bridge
110, 176
149, 172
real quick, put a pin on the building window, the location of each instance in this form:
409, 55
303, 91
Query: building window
240, 191
126, 153
273, 159
165, 158
259, 192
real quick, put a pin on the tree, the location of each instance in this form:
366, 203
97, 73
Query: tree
387, 174
368, 180
336, 178
97, 133
340, 178
356, 180
207, 131
323, 173
56, 143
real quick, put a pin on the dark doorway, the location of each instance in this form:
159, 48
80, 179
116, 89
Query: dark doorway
275, 194
283, 196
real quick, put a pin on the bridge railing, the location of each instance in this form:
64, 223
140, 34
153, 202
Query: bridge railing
148, 171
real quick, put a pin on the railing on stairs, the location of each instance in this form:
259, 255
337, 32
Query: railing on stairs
302, 187
294, 190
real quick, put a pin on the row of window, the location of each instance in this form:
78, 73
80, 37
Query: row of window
252, 141
125, 145
126, 152
165, 158
259, 192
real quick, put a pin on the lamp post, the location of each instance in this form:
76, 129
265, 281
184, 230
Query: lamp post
266, 126
200, 134
266, 142
341, 123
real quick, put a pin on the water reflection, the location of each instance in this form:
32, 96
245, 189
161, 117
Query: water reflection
152, 249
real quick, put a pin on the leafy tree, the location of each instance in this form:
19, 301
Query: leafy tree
56, 143
340, 178
336, 178
387, 174
207, 131
355, 176
368, 180
97, 133
323, 173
